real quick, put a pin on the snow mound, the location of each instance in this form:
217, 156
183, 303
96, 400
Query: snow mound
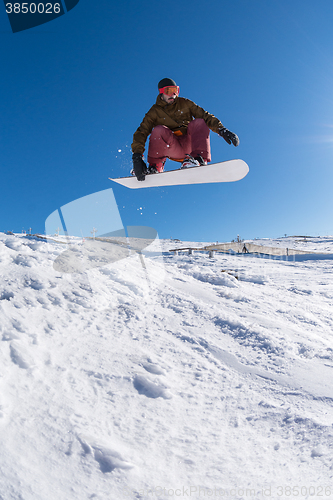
150, 374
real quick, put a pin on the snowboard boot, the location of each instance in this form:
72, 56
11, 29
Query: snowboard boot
155, 168
200, 160
152, 169
191, 162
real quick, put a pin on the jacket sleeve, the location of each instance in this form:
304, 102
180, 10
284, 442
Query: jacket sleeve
140, 136
212, 122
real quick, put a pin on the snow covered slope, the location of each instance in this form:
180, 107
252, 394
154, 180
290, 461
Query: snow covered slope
163, 376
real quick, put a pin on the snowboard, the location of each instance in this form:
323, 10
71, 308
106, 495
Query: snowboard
225, 171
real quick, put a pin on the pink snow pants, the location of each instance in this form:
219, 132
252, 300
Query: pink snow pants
163, 144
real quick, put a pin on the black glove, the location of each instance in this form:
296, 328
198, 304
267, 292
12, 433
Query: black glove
139, 166
228, 136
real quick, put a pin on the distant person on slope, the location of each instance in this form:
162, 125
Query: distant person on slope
179, 130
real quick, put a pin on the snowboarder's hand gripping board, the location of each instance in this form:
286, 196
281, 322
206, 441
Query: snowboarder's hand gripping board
226, 171
139, 167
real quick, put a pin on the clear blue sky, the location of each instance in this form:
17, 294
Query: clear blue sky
74, 90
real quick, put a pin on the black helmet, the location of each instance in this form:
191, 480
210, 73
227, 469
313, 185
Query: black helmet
166, 82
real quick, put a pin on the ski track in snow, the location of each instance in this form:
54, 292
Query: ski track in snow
159, 374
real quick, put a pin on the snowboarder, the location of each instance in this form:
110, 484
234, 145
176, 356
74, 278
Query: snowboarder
178, 129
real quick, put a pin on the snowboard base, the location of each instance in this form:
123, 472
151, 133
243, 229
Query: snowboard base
225, 171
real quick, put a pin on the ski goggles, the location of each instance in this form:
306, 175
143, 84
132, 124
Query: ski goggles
170, 90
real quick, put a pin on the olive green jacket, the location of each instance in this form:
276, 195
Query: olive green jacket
175, 116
